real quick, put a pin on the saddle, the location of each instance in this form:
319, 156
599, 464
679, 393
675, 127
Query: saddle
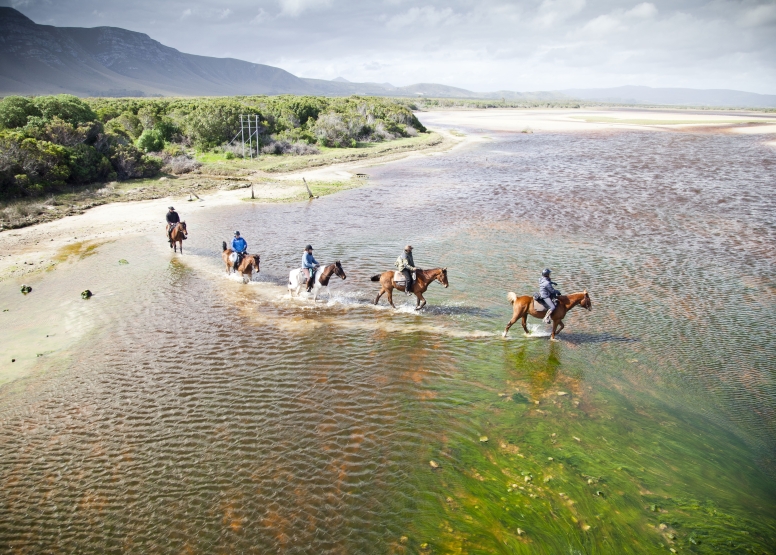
538, 303
400, 279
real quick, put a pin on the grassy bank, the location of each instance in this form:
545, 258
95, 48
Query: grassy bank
219, 171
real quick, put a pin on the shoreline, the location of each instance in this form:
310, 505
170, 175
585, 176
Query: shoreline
31, 249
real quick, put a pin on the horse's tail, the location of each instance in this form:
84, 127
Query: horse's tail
223, 245
511, 297
375, 278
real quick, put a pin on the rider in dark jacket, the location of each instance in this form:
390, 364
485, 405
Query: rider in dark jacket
172, 219
548, 293
406, 266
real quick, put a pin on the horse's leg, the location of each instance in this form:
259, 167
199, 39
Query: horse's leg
554, 330
515, 316
181, 244
525, 323
562, 325
380, 294
421, 301
390, 297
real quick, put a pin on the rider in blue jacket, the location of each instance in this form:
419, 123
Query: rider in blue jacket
548, 293
309, 263
240, 246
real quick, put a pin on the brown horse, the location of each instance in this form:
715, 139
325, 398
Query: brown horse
177, 235
247, 266
523, 306
419, 286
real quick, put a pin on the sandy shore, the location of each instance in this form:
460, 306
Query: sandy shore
571, 120
32, 249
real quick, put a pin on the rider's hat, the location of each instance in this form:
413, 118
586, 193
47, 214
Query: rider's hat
408, 248
170, 208
236, 233
546, 272
308, 248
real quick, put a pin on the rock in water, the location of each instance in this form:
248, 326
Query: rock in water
433, 464
122, 261
26, 289
483, 439
86, 294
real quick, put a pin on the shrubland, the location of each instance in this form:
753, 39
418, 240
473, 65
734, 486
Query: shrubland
51, 143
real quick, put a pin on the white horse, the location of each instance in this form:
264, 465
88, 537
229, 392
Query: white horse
296, 279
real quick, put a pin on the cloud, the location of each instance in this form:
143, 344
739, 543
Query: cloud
294, 8
223, 14
644, 10
260, 17
427, 16
555, 11
601, 25
186, 13
762, 15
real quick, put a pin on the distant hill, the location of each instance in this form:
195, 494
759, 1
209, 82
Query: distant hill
671, 96
109, 61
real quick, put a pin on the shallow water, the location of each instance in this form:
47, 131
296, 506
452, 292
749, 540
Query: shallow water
210, 416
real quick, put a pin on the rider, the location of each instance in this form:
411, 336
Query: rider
548, 293
240, 246
172, 219
406, 266
309, 264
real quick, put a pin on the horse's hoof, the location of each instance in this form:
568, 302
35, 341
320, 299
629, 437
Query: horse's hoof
504, 334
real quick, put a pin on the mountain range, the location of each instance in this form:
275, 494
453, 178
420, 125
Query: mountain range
110, 61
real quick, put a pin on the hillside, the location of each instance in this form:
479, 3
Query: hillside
109, 61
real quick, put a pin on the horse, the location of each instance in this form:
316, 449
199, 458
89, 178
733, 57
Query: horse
177, 234
248, 264
523, 306
296, 279
419, 286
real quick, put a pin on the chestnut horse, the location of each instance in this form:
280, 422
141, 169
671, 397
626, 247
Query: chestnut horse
248, 264
523, 306
419, 286
177, 235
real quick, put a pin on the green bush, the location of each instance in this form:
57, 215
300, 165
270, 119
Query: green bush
65, 107
151, 140
14, 111
87, 165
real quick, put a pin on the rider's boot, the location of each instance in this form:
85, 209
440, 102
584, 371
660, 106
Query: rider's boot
310, 283
548, 317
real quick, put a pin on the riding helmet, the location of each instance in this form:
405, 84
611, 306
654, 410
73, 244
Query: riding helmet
308, 248
546, 272
236, 233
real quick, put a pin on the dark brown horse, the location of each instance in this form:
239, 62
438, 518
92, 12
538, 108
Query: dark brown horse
419, 286
248, 264
523, 306
177, 235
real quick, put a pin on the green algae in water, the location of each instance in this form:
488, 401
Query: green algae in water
597, 471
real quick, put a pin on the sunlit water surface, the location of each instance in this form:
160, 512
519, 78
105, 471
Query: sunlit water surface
209, 416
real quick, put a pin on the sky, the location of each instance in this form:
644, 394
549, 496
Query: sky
480, 45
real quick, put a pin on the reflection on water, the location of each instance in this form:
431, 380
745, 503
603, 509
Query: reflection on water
209, 416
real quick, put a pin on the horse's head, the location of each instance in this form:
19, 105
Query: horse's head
586, 302
256, 260
442, 277
338, 270
183, 227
